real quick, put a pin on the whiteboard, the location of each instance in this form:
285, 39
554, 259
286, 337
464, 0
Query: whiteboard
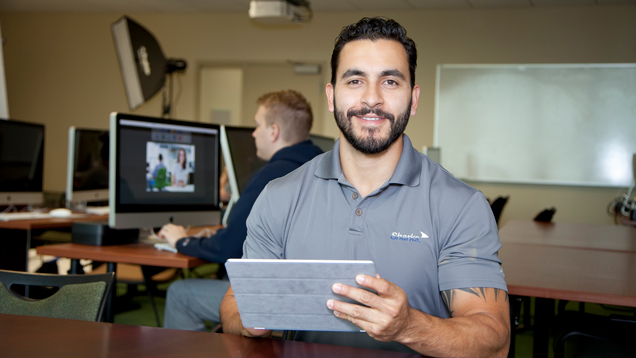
543, 124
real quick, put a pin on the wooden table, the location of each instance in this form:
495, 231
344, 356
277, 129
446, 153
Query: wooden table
579, 262
137, 253
17, 234
580, 236
24, 336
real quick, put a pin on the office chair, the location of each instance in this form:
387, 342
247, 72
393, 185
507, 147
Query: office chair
497, 207
614, 331
545, 215
80, 297
149, 276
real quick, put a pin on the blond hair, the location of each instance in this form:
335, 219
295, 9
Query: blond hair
291, 112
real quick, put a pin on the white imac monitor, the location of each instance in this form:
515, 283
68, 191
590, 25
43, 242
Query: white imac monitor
163, 171
87, 166
21, 163
241, 162
324, 143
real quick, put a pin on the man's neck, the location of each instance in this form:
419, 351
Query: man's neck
367, 172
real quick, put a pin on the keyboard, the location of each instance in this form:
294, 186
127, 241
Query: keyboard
165, 247
23, 216
98, 210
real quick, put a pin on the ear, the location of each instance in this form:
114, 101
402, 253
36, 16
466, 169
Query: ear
329, 91
415, 98
274, 132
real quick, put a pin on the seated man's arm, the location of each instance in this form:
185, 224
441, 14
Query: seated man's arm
231, 320
479, 326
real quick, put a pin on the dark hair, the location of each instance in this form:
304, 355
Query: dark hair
160, 157
374, 28
185, 157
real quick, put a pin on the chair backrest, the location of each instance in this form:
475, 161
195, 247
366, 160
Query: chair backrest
80, 297
497, 207
545, 215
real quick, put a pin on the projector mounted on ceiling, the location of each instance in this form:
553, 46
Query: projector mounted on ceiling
280, 11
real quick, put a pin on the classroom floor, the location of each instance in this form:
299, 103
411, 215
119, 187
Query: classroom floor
143, 315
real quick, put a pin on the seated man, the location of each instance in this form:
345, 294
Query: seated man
434, 241
283, 122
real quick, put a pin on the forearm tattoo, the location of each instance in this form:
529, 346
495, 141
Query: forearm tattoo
480, 292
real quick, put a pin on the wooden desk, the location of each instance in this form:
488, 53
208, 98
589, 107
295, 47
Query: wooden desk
17, 234
24, 336
581, 236
138, 253
50, 223
597, 276
579, 262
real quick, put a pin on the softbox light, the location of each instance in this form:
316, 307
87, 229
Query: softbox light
143, 65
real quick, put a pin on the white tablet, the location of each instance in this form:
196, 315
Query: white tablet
292, 294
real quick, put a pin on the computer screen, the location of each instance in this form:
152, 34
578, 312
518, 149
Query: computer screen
87, 165
163, 171
324, 143
241, 162
21, 162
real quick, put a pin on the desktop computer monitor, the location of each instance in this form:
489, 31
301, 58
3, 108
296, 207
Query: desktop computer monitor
324, 143
87, 165
21, 162
241, 162
163, 171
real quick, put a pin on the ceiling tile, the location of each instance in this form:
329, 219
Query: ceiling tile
542, 3
500, 3
616, 2
331, 5
439, 4
381, 5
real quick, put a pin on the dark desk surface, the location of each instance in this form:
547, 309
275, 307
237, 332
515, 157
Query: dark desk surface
52, 223
24, 336
581, 236
139, 254
597, 276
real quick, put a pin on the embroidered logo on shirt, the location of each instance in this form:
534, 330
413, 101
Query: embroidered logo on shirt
397, 236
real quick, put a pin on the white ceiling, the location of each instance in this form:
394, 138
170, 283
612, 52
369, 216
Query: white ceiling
150, 6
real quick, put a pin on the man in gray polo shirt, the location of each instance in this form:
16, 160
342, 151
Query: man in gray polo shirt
440, 289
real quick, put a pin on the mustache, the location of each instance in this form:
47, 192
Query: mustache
364, 111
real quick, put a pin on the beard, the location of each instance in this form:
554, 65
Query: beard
370, 143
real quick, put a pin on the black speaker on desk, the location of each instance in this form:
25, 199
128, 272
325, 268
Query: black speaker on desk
99, 234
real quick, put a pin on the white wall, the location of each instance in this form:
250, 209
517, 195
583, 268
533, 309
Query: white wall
61, 69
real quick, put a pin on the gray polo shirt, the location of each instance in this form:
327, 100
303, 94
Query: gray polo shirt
425, 230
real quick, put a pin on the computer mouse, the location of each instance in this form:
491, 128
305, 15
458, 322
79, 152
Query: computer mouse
60, 213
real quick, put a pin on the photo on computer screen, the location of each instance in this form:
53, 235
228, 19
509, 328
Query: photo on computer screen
170, 167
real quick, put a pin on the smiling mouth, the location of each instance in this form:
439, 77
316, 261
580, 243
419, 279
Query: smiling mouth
370, 118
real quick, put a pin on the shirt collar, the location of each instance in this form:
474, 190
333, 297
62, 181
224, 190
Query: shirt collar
407, 171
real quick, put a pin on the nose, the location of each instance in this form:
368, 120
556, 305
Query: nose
254, 133
372, 97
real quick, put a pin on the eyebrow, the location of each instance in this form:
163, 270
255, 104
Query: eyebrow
385, 73
353, 72
394, 73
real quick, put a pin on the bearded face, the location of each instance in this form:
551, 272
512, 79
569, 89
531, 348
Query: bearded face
369, 140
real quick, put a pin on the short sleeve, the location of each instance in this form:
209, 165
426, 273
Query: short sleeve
468, 257
264, 239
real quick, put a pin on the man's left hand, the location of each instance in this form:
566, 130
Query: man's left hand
388, 314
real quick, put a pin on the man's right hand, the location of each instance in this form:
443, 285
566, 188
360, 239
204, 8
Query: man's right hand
172, 233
